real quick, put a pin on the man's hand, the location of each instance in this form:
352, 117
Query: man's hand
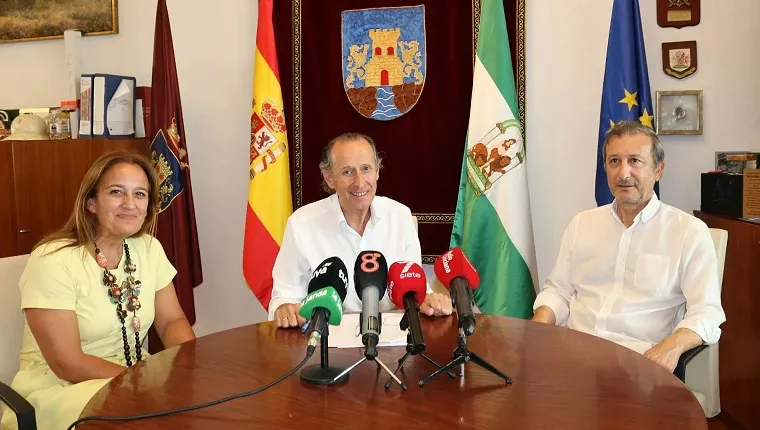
545, 314
667, 352
436, 304
287, 316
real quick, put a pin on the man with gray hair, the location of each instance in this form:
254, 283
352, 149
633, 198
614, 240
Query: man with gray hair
352, 219
636, 272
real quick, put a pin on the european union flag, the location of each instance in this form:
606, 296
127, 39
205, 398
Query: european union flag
625, 95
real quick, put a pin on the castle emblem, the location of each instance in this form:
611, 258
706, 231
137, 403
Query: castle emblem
384, 63
169, 158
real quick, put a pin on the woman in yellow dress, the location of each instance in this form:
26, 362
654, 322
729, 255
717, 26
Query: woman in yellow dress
91, 291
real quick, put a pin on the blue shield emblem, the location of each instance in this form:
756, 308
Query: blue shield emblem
384, 63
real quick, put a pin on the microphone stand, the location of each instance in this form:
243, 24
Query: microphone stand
373, 357
323, 373
412, 349
463, 355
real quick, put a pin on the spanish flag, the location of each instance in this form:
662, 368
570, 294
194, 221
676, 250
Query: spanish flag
269, 195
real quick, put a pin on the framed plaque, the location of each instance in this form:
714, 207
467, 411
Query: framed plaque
679, 59
679, 112
677, 13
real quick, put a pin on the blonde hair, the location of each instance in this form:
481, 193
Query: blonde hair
81, 229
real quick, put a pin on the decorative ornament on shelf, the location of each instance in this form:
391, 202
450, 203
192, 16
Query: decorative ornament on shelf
28, 126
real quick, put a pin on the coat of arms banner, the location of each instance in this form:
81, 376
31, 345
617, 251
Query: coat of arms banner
398, 71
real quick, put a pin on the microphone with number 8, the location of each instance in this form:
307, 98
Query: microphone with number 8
458, 275
324, 303
370, 279
407, 287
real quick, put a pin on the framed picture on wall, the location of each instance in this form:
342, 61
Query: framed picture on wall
679, 112
25, 20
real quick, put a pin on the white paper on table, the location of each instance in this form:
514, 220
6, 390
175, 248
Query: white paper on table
98, 108
121, 115
348, 333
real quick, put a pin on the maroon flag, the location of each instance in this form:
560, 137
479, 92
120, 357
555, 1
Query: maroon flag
176, 221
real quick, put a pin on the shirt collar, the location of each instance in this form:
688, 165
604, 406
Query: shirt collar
646, 214
374, 213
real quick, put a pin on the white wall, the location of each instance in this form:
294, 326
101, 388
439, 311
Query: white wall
566, 50
566, 46
214, 49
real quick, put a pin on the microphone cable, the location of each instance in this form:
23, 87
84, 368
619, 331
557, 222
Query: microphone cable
195, 407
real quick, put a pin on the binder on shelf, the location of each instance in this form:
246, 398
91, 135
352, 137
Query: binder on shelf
85, 106
113, 105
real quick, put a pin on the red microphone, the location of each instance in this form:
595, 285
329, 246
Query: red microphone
459, 276
407, 288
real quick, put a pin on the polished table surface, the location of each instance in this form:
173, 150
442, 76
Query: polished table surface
562, 379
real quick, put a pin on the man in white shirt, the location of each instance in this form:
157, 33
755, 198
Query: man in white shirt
636, 272
349, 221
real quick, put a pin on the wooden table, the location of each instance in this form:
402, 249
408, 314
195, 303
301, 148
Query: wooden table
562, 379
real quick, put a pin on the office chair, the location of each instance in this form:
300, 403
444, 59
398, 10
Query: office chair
698, 367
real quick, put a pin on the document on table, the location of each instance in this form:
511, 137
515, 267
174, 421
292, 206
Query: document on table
348, 333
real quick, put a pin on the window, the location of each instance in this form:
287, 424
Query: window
390, 50
378, 51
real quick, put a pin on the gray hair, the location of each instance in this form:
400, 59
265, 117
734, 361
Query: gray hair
325, 164
632, 128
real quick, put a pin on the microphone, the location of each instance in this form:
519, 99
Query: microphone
370, 279
407, 288
458, 275
324, 303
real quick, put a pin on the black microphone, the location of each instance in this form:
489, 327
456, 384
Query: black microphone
324, 303
370, 279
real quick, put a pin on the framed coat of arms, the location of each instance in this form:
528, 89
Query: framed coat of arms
383, 59
399, 71
679, 59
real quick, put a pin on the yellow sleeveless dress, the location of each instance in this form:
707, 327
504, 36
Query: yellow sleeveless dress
70, 279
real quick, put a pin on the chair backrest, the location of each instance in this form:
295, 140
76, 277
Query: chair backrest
11, 316
720, 240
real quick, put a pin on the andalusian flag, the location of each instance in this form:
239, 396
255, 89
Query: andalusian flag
492, 224
269, 198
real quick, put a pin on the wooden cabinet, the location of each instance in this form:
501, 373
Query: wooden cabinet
8, 230
740, 338
39, 181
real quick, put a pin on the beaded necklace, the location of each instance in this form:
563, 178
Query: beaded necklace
126, 294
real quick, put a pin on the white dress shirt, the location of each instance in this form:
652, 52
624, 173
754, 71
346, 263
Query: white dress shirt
636, 285
319, 230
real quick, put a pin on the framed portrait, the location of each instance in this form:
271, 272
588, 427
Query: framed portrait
26, 20
679, 112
